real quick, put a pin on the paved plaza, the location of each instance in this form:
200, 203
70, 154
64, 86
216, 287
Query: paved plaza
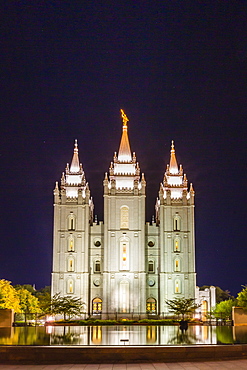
210, 365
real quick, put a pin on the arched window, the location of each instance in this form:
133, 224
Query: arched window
97, 305
124, 217
71, 264
124, 254
177, 265
151, 305
70, 286
71, 221
177, 244
151, 266
71, 243
176, 223
177, 286
97, 267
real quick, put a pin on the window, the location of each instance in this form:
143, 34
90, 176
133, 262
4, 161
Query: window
71, 264
71, 221
150, 266
176, 223
124, 217
177, 266
177, 245
97, 305
70, 286
151, 305
177, 286
71, 243
97, 266
124, 254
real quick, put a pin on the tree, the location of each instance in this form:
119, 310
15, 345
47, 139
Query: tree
28, 303
67, 306
8, 296
182, 306
223, 310
44, 297
242, 297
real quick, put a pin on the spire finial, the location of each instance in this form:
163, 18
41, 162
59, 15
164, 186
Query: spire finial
173, 168
124, 117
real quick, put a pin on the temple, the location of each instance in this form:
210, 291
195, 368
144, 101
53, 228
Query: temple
124, 266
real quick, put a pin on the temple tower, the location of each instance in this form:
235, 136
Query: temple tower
175, 218
73, 213
124, 277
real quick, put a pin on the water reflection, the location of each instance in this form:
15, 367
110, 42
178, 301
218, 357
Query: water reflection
122, 335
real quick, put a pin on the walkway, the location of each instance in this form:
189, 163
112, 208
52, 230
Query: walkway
210, 365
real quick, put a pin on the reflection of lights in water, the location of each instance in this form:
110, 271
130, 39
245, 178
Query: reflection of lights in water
96, 334
151, 334
205, 332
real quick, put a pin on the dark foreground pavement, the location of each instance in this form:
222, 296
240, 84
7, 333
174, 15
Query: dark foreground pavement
209, 365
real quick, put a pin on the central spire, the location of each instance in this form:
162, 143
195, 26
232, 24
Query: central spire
173, 161
124, 153
75, 164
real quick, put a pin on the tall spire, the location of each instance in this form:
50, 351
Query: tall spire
124, 153
75, 165
173, 162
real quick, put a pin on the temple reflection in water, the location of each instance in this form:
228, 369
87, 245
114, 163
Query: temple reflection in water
122, 335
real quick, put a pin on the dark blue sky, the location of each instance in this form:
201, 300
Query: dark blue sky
178, 69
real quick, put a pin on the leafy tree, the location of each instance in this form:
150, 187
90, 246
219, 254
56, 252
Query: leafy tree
28, 303
182, 306
242, 297
8, 296
223, 309
67, 306
28, 287
44, 297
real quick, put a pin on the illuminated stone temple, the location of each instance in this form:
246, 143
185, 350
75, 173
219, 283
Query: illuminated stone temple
124, 265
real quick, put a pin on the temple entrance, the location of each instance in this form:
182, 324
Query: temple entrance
124, 296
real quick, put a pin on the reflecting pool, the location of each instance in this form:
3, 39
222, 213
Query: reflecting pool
122, 335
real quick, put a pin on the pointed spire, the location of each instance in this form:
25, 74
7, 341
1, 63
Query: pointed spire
75, 165
173, 162
124, 153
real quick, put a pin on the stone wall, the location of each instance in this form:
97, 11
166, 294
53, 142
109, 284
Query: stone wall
239, 316
6, 317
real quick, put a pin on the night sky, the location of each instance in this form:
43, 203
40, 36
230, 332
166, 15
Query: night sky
177, 68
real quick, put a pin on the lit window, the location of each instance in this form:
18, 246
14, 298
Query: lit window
177, 265
124, 217
71, 243
151, 305
71, 264
124, 254
97, 305
177, 286
177, 243
70, 286
150, 266
176, 223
